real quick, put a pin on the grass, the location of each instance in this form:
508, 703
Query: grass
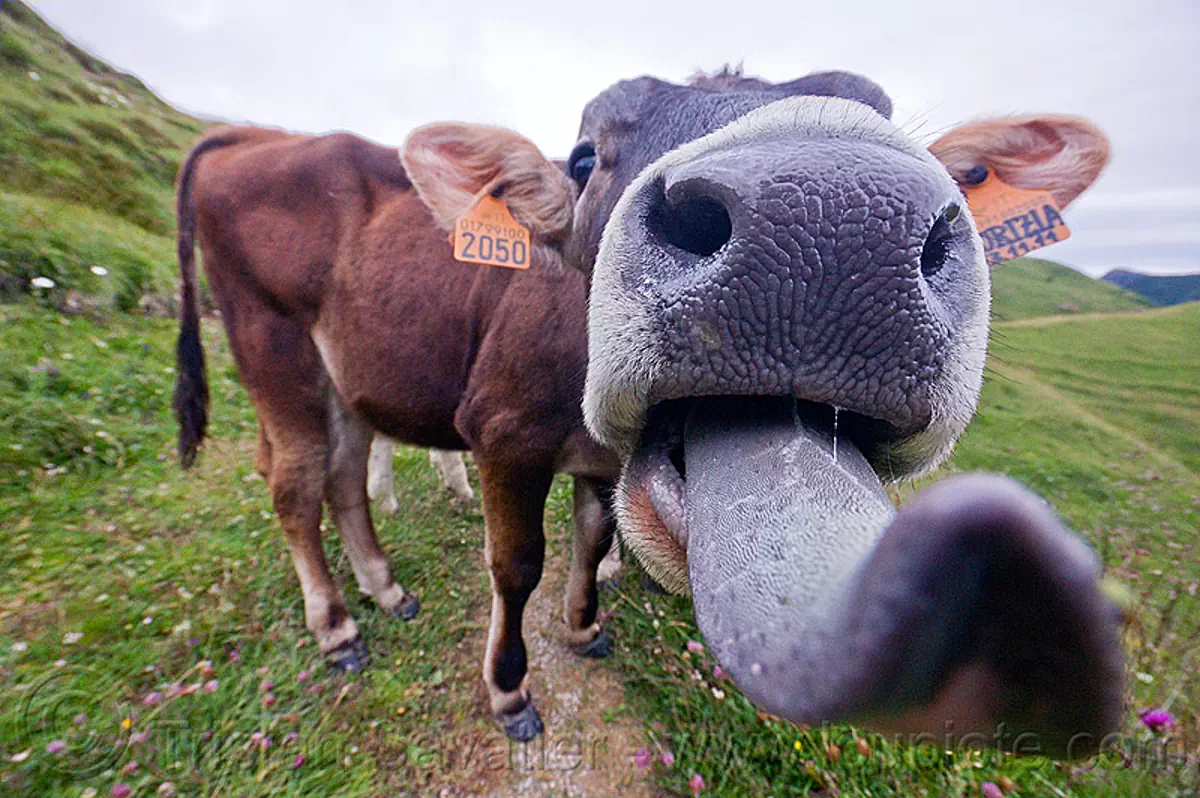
94, 259
1033, 287
159, 572
1136, 500
82, 145
124, 575
126, 582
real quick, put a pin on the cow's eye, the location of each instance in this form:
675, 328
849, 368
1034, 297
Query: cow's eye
581, 163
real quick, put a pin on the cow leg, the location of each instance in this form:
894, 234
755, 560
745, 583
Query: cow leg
513, 503
594, 529
297, 473
453, 473
262, 455
381, 481
346, 492
610, 566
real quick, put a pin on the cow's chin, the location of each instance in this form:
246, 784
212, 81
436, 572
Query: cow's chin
824, 603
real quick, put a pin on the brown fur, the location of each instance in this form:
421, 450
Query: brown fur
1054, 152
325, 239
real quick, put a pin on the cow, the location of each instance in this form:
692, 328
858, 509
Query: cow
788, 307
449, 466
451, 469
348, 316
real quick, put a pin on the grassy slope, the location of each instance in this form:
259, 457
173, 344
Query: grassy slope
82, 144
160, 571
1100, 416
1031, 287
103, 533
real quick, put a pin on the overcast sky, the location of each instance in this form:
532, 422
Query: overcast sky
381, 67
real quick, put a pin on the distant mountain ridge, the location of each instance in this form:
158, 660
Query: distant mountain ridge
1160, 290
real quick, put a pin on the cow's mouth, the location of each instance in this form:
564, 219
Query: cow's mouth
972, 607
655, 484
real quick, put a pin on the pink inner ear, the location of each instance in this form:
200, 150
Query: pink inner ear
436, 164
1060, 154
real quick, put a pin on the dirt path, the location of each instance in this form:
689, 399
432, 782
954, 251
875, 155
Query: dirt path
590, 737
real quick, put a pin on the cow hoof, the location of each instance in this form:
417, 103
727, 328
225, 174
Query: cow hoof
349, 657
599, 648
408, 608
522, 725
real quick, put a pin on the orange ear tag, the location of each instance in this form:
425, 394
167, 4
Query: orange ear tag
489, 235
1014, 221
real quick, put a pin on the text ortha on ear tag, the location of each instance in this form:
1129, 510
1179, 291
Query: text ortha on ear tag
1014, 221
489, 235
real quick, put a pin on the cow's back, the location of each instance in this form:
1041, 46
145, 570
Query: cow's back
326, 236
276, 209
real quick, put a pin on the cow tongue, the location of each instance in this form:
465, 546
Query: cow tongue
973, 610
779, 515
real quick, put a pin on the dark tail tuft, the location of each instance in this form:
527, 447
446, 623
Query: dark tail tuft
191, 387
191, 392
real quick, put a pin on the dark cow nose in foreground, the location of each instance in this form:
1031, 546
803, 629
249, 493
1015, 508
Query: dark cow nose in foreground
809, 268
691, 219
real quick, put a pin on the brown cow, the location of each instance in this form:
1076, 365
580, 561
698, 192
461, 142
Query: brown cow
788, 304
347, 313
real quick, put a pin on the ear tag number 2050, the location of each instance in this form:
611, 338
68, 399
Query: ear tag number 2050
489, 235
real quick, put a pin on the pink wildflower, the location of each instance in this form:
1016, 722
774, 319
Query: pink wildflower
1158, 719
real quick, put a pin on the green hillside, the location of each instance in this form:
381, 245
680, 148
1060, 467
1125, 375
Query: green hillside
1030, 287
83, 147
125, 579
107, 539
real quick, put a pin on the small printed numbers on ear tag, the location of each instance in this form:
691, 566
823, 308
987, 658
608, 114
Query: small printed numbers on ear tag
1014, 221
489, 235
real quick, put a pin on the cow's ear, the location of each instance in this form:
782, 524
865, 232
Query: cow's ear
454, 164
1060, 154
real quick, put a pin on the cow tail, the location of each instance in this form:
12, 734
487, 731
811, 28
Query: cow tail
191, 387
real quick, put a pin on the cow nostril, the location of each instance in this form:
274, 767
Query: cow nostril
937, 244
698, 224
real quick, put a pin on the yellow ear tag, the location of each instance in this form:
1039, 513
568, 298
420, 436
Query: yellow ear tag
1014, 221
489, 235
